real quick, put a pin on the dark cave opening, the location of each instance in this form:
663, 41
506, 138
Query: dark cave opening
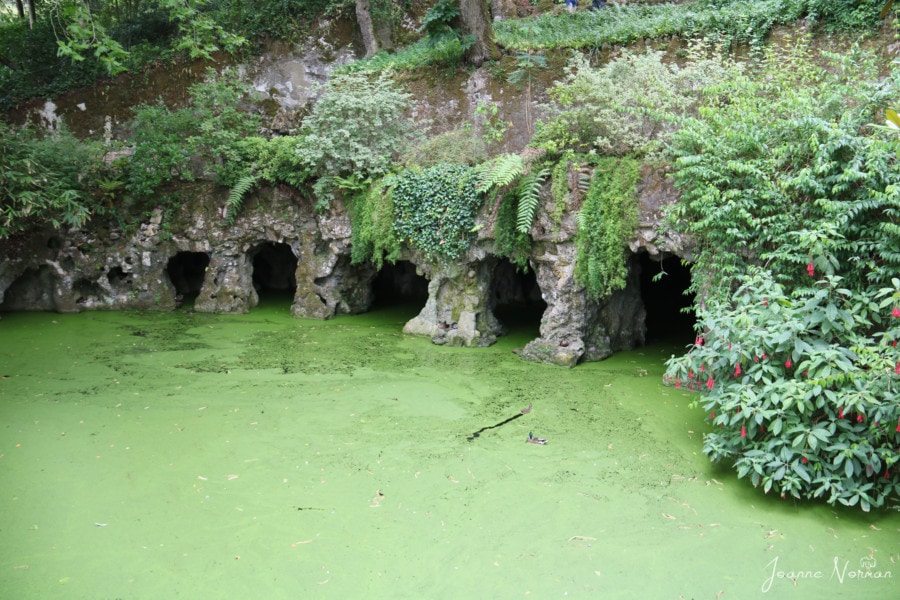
399, 284
516, 298
32, 290
274, 272
665, 301
187, 271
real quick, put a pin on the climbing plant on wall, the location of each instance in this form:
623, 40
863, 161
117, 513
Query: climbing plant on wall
605, 223
434, 209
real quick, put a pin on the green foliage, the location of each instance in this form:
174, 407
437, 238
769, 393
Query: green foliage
801, 388
457, 147
447, 51
499, 172
617, 109
434, 209
726, 21
509, 241
606, 222
199, 33
792, 201
241, 188
781, 169
437, 21
357, 127
372, 214
493, 128
528, 192
46, 178
209, 128
568, 185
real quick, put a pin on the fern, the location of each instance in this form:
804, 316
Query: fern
498, 172
236, 197
528, 191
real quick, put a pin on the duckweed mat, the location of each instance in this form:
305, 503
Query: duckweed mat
173, 455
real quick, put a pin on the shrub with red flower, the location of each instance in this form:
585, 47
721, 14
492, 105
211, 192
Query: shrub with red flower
801, 444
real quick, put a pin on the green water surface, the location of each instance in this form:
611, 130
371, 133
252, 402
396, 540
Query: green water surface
173, 455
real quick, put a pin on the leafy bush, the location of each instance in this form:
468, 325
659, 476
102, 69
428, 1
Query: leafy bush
357, 127
615, 109
792, 201
46, 177
209, 128
434, 209
782, 169
801, 388
606, 222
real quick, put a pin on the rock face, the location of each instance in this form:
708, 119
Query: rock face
279, 243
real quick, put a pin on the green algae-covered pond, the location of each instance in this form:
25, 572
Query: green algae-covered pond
163, 455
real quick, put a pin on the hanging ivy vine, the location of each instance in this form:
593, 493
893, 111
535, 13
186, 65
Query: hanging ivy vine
605, 224
434, 209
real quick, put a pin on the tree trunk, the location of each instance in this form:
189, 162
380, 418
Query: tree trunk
21, 8
476, 21
364, 18
31, 14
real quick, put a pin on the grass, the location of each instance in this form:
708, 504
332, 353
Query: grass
738, 21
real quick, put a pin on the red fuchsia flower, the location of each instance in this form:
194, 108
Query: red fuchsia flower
737, 370
765, 302
896, 312
729, 345
743, 431
712, 415
702, 368
811, 269
764, 357
699, 340
840, 413
806, 373
710, 383
860, 418
898, 426
788, 364
804, 460
677, 383
895, 343
897, 369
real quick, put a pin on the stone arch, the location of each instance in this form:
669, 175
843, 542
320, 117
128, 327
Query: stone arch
516, 298
274, 270
187, 272
665, 300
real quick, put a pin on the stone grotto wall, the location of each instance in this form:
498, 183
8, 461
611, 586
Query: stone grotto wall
193, 254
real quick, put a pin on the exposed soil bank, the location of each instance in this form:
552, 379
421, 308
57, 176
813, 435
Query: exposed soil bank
233, 456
